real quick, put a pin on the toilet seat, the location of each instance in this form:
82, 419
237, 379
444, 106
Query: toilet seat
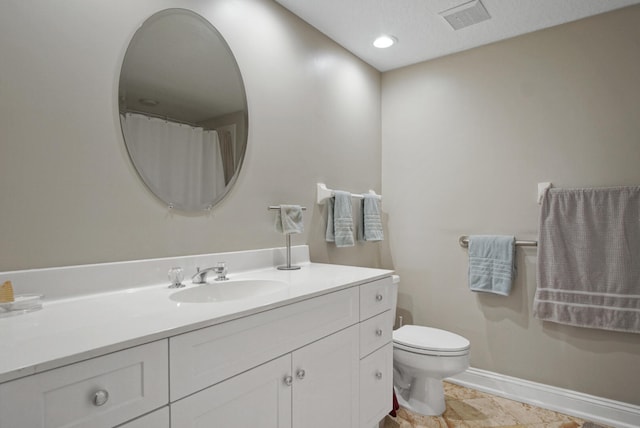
430, 341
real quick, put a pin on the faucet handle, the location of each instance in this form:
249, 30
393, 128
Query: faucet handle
221, 270
176, 275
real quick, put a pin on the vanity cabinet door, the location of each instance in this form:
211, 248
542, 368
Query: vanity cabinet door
325, 382
376, 386
260, 397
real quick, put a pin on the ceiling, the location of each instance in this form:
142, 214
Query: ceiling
154, 80
424, 34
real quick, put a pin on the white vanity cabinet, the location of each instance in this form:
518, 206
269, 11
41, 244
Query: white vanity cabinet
376, 352
324, 361
315, 386
321, 360
101, 392
204, 357
315, 377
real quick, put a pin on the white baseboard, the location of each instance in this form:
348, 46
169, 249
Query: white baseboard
584, 406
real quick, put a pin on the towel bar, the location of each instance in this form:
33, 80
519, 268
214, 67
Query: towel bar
464, 242
323, 193
277, 207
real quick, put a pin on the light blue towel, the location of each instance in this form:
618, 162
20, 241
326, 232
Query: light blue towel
492, 263
289, 219
340, 220
370, 219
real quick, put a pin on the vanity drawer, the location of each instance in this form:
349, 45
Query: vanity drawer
376, 386
374, 333
375, 297
101, 392
207, 356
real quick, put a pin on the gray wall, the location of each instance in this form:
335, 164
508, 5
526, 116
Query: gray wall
465, 140
68, 192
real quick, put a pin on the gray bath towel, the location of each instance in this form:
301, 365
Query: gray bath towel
340, 220
589, 258
370, 219
491, 263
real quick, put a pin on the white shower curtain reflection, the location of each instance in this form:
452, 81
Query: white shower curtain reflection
160, 150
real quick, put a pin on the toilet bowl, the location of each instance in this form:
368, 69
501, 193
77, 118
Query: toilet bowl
422, 358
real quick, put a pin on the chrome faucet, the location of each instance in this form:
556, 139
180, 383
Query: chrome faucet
200, 275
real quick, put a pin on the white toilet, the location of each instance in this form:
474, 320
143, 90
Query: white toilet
422, 357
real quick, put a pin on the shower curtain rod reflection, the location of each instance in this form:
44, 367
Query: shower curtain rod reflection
464, 242
167, 118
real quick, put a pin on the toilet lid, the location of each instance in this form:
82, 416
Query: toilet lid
429, 339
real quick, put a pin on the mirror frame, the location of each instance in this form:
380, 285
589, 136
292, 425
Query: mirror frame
207, 205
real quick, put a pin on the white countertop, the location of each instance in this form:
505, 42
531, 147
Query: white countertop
73, 329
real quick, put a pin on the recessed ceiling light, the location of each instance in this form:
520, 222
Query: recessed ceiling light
384, 42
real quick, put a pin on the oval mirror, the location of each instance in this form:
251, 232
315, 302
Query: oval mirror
183, 110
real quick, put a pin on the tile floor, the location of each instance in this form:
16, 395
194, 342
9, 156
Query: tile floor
468, 408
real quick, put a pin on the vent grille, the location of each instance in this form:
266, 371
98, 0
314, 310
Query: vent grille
466, 14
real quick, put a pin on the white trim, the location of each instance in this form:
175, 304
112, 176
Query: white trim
590, 293
588, 407
583, 305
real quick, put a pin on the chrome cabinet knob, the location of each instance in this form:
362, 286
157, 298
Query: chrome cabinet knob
379, 332
379, 297
288, 380
300, 374
378, 375
100, 397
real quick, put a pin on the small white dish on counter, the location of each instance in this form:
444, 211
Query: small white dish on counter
22, 304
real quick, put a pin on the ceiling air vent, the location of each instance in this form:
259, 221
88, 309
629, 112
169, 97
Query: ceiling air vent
466, 14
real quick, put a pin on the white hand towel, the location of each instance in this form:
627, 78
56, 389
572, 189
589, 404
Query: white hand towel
289, 219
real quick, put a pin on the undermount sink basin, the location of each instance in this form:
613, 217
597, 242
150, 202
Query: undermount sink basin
228, 290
